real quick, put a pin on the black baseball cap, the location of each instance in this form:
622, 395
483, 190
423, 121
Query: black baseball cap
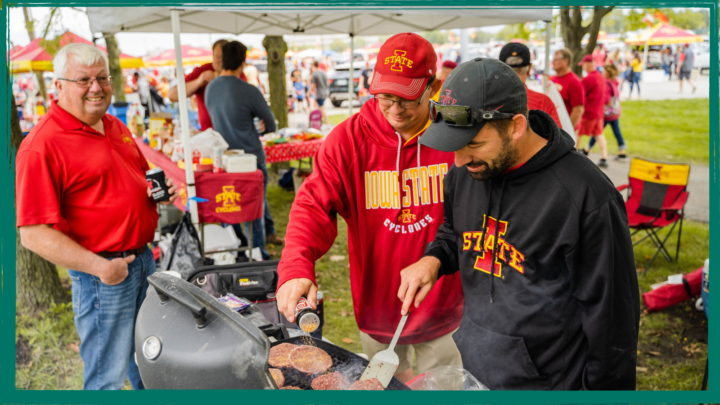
484, 84
515, 54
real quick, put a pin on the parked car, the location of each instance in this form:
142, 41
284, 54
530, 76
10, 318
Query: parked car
702, 59
338, 81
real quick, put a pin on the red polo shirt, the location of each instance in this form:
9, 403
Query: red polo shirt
89, 186
203, 116
571, 90
539, 101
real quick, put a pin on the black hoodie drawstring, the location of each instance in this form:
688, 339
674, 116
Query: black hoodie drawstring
486, 217
495, 240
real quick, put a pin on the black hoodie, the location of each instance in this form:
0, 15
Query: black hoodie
562, 310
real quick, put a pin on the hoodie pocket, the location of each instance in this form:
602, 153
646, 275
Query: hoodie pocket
498, 361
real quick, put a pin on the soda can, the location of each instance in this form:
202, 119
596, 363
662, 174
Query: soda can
256, 122
305, 317
156, 181
218, 160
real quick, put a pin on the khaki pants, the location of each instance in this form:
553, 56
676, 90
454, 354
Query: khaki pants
439, 352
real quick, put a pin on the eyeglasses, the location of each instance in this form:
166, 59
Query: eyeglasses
406, 104
463, 116
87, 81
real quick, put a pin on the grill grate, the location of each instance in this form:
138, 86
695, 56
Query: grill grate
346, 363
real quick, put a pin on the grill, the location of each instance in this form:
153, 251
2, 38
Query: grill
346, 363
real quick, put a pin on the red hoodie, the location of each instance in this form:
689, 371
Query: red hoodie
390, 220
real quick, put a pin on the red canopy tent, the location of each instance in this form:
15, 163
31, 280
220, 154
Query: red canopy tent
190, 56
35, 57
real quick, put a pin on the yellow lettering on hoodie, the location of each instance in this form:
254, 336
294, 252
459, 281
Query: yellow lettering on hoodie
432, 173
443, 171
368, 190
424, 186
385, 189
406, 189
413, 174
395, 190
374, 198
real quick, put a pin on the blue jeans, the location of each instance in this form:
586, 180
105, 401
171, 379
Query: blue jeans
635, 81
261, 226
105, 320
615, 125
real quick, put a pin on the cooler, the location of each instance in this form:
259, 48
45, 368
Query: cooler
119, 109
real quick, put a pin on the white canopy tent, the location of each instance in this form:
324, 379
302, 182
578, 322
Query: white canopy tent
243, 19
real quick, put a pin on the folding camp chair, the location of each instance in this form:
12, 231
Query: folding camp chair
657, 199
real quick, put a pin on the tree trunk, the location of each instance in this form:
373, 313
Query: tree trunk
573, 32
37, 282
276, 48
114, 65
30, 26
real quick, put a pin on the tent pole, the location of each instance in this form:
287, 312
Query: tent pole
645, 58
184, 120
546, 69
351, 81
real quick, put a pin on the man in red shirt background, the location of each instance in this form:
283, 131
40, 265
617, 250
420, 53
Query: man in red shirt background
197, 80
569, 86
593, 119
83, 204
517, 56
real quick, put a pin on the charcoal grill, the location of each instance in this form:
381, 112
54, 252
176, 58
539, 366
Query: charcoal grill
186, 339
345, 362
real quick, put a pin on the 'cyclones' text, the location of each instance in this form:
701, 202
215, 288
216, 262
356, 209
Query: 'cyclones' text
420, 186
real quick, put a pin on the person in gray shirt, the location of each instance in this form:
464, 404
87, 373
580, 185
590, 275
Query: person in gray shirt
319, 85
685, 66
232, 105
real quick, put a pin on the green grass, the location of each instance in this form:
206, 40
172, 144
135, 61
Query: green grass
51, 364
665, 130
669, 332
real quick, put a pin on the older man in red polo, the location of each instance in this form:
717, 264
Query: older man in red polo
83, 203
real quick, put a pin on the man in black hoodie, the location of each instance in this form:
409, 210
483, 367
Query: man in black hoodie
559, 307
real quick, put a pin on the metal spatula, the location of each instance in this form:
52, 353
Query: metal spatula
383, 364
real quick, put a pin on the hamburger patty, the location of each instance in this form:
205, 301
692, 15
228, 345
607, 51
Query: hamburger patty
332, 381
372, 384
291, 388
310, 359
277, 375
280, 355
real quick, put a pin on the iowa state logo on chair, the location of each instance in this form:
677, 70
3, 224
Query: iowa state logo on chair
398, 60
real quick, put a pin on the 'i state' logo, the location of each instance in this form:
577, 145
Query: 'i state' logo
483, 243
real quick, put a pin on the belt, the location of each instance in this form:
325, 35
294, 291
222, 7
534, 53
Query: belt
136, 252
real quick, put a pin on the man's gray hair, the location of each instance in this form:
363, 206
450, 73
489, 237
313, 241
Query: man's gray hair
86, 55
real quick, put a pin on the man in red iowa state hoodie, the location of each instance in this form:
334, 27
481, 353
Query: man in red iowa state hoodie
373, 172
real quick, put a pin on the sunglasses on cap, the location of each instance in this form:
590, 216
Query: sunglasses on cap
463, 116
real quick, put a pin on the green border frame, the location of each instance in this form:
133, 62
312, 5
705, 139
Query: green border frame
8, 393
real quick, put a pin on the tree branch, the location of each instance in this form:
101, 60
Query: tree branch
49, 23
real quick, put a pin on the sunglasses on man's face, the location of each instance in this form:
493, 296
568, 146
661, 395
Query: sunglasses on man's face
463, 116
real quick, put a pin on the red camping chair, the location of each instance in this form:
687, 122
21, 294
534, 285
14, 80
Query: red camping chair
657, 199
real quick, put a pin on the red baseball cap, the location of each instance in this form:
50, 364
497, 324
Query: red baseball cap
404, 64
586, 58
449, 64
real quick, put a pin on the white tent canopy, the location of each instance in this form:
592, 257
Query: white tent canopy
243, 19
